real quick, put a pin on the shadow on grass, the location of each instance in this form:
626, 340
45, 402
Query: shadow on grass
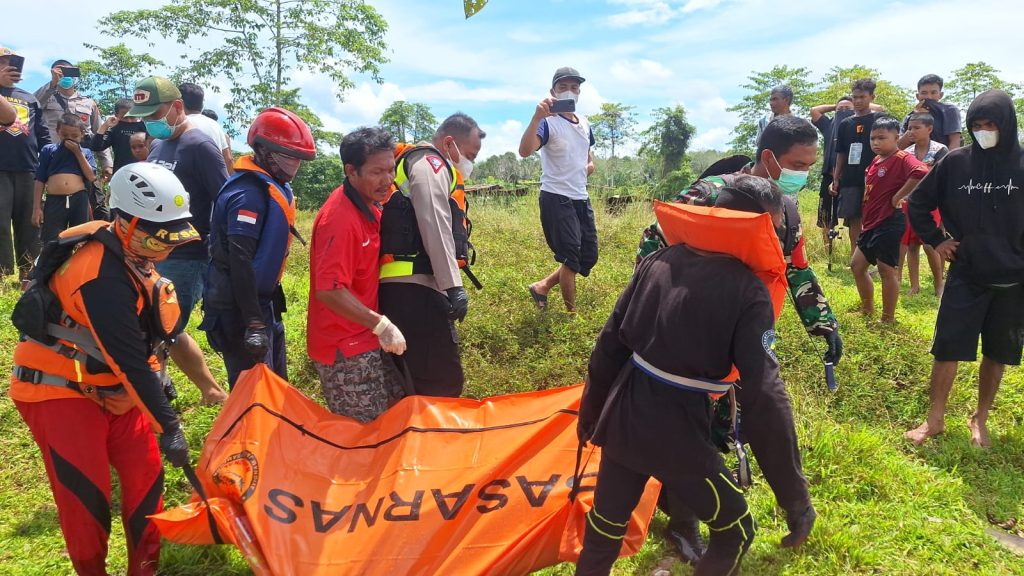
992, 477
43, 520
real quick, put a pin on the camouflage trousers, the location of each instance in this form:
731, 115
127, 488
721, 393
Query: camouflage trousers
361, 387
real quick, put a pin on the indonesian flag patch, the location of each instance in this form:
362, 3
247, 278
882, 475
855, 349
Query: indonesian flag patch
435, 162
247, 216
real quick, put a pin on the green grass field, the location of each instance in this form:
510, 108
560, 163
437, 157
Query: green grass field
884, 507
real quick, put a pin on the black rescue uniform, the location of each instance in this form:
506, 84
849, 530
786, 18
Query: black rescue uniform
683, 321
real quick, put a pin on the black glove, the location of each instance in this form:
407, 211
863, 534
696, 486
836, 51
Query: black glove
800, 521
835, 347
175, 447
459, 301
257, 343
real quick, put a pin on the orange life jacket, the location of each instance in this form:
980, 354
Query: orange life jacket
746, 236
76, 363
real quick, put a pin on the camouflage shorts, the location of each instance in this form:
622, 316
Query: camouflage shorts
361, 387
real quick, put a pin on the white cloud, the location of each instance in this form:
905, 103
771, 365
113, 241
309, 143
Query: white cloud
714, 139
695, 5
501, 138
452, 91
642, 70
654, 13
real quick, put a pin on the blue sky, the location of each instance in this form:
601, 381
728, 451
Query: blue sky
646, 53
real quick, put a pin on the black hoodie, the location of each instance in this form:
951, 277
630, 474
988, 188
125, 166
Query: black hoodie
980, 195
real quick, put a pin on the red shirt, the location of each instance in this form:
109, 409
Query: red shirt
344, 253
883, 180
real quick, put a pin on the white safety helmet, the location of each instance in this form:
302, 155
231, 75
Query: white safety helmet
149, 192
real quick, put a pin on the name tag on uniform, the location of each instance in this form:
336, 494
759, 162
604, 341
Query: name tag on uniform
856, 150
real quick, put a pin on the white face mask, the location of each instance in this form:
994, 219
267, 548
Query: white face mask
986, 138
568, 95
464, 165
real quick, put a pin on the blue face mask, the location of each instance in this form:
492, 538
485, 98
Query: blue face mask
159, 129
67, 83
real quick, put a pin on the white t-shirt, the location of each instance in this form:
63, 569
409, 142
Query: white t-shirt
564, 153
210, 127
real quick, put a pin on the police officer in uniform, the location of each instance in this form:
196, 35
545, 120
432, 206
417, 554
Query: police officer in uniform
88, 389
250, 234
421, 288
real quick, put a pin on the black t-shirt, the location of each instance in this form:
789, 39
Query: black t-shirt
828, 126
854, 140
119, 138
946, 119
21, 141
199, 164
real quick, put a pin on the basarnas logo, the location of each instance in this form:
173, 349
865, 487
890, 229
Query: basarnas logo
239, 473
768, 342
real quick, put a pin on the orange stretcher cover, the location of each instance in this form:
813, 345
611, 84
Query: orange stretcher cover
433, 486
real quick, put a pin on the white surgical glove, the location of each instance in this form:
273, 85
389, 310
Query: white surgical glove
391, 338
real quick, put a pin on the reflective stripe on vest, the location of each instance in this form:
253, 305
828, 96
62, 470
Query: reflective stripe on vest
682, 382
400, 265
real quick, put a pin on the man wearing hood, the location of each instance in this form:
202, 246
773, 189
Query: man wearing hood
978, 191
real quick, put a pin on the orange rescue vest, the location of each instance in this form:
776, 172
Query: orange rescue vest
73, 362
746, 236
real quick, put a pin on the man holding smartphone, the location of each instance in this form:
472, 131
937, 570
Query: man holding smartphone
60, 96
22, 135
565, 141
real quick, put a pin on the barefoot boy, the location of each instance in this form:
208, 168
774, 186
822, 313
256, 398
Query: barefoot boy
890, 178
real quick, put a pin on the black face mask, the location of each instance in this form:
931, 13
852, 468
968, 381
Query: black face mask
265, 159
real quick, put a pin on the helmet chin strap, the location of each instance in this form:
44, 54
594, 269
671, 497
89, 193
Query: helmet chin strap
126, 238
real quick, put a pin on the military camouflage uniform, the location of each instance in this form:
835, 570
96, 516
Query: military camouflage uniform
361, 387
809, 300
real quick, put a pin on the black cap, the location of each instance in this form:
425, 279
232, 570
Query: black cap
567, 72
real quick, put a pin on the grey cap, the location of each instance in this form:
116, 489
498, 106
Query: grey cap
567, 72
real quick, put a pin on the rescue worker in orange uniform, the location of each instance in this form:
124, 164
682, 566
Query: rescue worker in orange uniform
250, 234
88, 384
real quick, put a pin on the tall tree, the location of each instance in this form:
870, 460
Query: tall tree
114, 74
836, 83
668, 138
255, 45
408, 119
613, 125
973, 79
754, 104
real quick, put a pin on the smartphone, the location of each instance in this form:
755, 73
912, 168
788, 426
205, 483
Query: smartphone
71, 71
17, 62
566, 105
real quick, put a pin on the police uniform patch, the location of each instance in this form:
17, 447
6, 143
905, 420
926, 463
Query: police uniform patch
768, 342
435, 162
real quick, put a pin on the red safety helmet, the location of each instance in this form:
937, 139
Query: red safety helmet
282, 131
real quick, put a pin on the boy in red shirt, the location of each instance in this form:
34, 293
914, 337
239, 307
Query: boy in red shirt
890, 178
928, 151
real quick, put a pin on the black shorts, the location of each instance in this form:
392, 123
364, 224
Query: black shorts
570, 231
969, 310
851, 202
882, 243
827, 204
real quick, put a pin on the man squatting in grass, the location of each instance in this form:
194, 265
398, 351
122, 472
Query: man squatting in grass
349, 341
977, 190
564, 141
890, 178
787, 143
685, 319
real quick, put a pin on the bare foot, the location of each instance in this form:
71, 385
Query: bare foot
214, 396
915, 290
979, 433
887, 320
867, 312
922, 433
